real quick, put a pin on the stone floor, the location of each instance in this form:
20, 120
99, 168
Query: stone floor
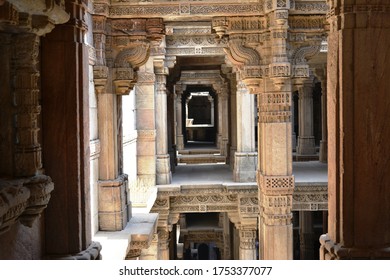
310, 171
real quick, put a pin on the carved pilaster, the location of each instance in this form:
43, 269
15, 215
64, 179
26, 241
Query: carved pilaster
163, 244
26, 96
321, 74
179, 89
163, 161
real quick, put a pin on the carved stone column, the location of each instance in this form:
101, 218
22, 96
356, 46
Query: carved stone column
306, 144
179, 89
163, 244
233, 119
358, 131
223, 121
324, 113
112, 198
223, 99
248, 242
26, 96
65, 133
146, 124
163, 171
246, 156
275, 179
306, 235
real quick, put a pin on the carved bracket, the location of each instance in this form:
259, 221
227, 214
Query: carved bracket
23, 200
37, 17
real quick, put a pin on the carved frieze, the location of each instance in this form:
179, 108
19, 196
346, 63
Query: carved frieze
185, 9
312, 22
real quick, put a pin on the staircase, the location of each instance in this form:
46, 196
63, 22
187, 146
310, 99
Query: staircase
197, 154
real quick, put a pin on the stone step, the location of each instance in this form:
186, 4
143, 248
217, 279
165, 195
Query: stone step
199, 151
201, 158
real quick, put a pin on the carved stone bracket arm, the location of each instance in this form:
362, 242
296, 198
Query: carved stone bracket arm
37, 17
23, 200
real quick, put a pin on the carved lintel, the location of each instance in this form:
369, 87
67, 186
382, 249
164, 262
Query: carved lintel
101, 7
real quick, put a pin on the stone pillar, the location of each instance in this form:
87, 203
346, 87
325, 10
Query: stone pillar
226, 238
112, 184
306, 235
324, 111
179, 89
306, 143
248, 242
246, 157
146, 124
358, 131
223, 100
26, 96
163, 244
275, 179
233, 119
163, 168
294, 134
65, 134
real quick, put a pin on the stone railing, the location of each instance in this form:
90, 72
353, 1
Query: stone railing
234, 197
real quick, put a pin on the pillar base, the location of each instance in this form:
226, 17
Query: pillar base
306, 146
180, 142
245, 166
113, 213
91, 253
333, 251
163, 170
324, 151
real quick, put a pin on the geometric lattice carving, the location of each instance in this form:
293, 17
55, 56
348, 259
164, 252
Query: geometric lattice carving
276, 184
